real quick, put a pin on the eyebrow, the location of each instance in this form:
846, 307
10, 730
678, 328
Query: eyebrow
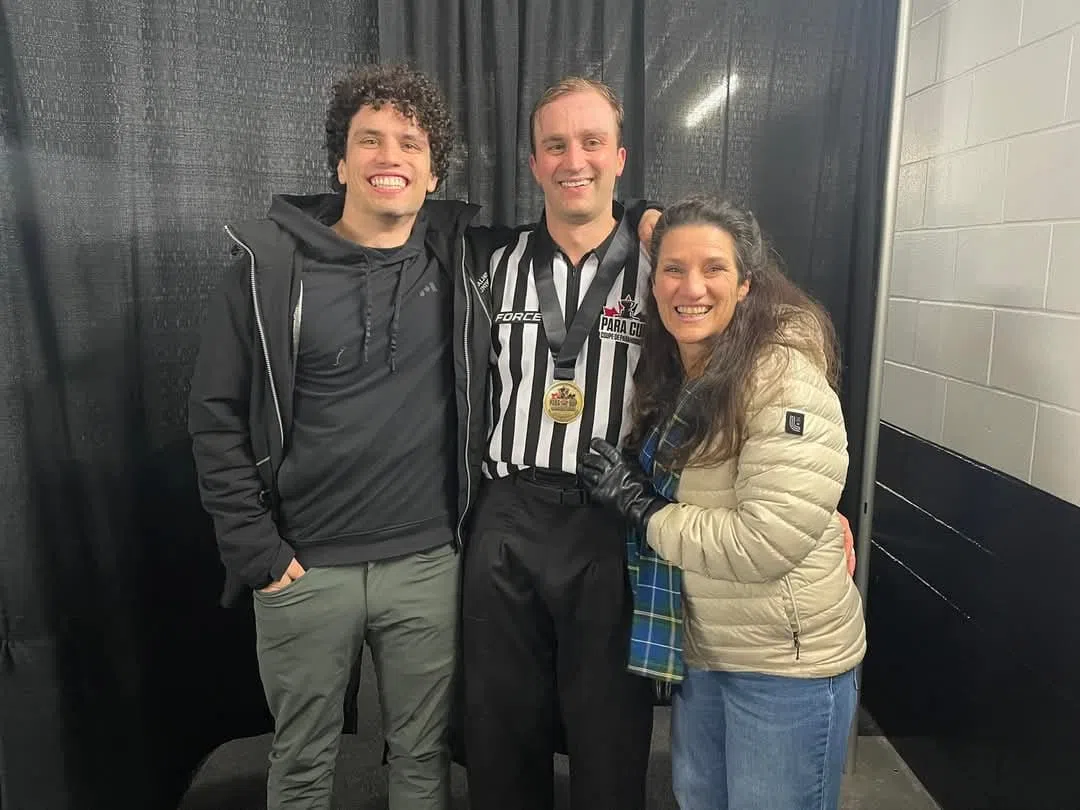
417, 134
715, 259
591, 133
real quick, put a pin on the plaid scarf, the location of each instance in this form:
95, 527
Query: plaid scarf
656, 632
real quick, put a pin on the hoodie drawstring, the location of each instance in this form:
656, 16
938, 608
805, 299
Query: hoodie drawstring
364, 292
394, 318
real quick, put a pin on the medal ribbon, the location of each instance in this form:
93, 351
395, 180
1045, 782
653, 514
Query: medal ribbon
565, 344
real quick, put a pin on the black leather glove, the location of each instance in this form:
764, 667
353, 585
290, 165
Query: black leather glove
619, 483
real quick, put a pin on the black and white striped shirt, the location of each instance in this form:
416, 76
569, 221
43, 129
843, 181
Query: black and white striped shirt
522, 367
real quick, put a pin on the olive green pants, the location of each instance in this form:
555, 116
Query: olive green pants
310, 633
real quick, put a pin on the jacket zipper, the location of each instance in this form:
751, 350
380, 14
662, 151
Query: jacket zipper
262, 334
468, 395
298, 314
796, 627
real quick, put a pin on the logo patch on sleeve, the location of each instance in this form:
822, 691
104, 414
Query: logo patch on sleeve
793, 422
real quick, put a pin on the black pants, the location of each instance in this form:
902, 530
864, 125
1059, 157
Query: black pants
546, 624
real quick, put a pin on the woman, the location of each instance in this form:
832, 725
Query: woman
736, 409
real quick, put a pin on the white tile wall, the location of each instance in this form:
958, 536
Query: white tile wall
921, 9
923, 54
923, 263
1003, 265
1042, 17
1072, 107
989, 426
954, 340
935, 120
900, 335
1054, 464
913, 400
911, 198
1021, 92
975, 31
1035, 354
1063, 283
983, 341
1043, 181
966, 188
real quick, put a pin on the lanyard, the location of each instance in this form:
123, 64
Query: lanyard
565, 343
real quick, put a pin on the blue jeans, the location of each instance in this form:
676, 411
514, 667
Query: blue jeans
746, 741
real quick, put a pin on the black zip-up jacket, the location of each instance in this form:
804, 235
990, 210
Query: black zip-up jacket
240, 407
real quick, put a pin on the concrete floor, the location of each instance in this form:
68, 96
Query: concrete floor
233, 778
882, 781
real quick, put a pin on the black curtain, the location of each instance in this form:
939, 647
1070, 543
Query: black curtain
133, 130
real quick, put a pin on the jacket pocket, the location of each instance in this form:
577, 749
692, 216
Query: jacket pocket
791, 608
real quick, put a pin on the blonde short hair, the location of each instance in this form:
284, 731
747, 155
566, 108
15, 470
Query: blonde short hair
575, 84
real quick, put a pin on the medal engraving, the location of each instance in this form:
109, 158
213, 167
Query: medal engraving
564, 401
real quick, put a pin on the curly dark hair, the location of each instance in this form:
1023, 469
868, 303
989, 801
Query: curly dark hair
775, 312
411, 93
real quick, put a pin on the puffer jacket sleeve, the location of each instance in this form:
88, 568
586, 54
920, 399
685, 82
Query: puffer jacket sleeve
787, 484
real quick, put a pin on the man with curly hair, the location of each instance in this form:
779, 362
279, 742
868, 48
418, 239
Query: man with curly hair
337, 417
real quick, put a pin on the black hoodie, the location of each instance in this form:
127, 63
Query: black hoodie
240, 411
241, 407
372, 396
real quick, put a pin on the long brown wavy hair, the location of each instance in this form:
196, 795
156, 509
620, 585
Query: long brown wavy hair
774, 313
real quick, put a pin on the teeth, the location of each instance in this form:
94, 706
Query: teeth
388, 182
699, 310
575, 183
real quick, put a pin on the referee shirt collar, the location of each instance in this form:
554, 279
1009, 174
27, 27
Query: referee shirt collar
547, 245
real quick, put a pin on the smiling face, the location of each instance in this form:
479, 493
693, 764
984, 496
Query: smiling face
577, 156
697, 284
386, 170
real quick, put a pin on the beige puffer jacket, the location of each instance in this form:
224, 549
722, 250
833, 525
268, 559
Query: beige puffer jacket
765, 581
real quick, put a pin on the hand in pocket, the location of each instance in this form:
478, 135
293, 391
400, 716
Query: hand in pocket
292, 573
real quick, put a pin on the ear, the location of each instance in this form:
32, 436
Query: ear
433, 183
341, 172
621, 157
532, 167
744, 289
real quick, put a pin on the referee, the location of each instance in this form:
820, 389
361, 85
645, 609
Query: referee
546, 604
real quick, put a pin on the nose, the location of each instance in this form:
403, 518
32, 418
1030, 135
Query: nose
574, 158
388, 152
693, 285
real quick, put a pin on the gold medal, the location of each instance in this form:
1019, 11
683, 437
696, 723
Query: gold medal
564, 401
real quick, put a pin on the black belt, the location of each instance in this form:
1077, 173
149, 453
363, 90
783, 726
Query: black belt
554, 487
